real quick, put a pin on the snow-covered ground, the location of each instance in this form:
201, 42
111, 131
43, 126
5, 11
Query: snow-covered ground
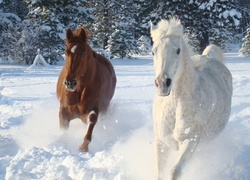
33, 147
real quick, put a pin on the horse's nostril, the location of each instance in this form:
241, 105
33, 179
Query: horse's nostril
168, 82
66, 82
74, 83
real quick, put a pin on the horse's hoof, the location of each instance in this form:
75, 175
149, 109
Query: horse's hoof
83, 148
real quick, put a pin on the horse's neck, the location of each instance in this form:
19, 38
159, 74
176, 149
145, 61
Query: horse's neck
91, 70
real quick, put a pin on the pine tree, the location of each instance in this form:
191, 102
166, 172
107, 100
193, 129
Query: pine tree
205, 19
122, 42
101, 27
118, 24
144, 8
143, 45
49, 21
10, 26
44, 34
245, 49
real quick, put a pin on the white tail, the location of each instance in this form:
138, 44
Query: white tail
214, 51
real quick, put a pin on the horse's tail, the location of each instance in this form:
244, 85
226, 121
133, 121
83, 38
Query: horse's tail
214, 51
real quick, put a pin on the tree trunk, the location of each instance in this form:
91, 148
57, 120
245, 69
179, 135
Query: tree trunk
204, 42
106, 24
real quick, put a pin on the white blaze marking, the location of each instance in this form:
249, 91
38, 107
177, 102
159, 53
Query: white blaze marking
73, 49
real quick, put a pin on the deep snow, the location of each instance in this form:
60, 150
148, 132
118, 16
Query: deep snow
33, 147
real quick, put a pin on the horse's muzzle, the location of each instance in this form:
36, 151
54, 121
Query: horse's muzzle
163, 86
70, 85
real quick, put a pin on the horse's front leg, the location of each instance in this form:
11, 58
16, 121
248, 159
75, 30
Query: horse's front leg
162, 155
64, 118
186, 150
91, 121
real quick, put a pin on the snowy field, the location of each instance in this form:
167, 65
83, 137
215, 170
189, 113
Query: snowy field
33, 147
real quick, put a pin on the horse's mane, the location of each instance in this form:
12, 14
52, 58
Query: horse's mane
165, 27
173, 27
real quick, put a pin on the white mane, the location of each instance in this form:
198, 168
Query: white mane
165, 28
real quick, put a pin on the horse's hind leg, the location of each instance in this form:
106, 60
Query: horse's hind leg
92, 119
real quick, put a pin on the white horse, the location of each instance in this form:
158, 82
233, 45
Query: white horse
191, 104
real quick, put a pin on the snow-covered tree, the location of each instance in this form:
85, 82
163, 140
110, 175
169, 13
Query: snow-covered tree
17, 7
41, 31
122, 42
100, 29
10, 25
245, 48
143, 45
49, 21
119, 44
144, 8
114, 25
206, 19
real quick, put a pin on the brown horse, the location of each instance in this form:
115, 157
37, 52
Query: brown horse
85, 85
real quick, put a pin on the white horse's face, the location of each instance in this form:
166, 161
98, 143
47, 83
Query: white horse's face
167, 56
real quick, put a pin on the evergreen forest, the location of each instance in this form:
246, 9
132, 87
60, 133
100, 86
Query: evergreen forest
117, 28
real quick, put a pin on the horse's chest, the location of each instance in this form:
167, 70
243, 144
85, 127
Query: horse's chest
164, 117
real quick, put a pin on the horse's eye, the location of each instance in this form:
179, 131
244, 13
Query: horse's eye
178, 51
153, 53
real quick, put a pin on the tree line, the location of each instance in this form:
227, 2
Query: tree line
118, 28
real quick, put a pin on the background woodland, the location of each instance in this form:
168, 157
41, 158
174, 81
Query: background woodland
117, 28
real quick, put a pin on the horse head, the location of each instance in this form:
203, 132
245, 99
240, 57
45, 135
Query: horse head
167, 51
77, 54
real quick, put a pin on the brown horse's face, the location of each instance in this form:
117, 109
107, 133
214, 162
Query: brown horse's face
76, 58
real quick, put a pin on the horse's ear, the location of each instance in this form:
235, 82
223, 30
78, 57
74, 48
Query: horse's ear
83, 34
69, 34
152, 26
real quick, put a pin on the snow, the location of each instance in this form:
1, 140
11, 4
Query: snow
46, 28
39, 60
5, 18
33, 147
233, 13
